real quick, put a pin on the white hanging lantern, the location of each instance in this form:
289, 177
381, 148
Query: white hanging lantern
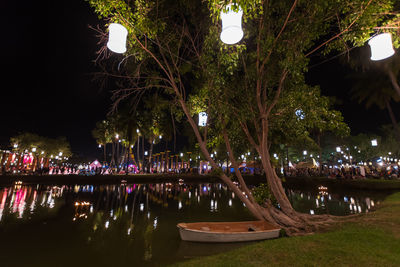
117, 38
300, 114
202, 119
374, 142
381, 46
231, 26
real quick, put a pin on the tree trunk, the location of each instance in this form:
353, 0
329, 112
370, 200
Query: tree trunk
118, 155
112, 162
137, 152
143, 158
393, 80
105, 153
394, 121
150, 155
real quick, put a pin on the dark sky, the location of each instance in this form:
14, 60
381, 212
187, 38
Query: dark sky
46, 54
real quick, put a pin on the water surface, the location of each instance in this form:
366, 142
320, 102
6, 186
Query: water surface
134, 224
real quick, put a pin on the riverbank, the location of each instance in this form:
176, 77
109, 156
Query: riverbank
373, 240
289, 182
106, 179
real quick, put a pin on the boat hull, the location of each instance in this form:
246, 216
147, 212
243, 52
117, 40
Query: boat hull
223, 236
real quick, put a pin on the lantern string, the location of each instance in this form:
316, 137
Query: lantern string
119, 64
331, 58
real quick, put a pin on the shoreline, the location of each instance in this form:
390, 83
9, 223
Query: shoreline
372, 240
291, 182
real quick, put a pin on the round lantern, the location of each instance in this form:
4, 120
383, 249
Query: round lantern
381, 46
231, 25
117, 38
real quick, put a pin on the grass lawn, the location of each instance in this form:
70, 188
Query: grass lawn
372, 240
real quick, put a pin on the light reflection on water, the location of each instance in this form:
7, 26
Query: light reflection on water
133, 223
336, 203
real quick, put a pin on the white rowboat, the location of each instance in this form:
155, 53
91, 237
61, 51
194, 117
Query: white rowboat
227, 231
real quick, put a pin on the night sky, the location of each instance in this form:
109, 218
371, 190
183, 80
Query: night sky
47, 53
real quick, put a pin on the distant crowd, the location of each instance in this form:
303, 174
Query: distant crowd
352, 172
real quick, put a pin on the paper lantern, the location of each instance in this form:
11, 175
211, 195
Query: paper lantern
300, 114
374, 142
381, 46
117, 38
202, 119
231, 25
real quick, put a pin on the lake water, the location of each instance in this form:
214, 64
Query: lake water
135, 224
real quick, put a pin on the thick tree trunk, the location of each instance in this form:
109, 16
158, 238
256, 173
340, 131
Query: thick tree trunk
286, 217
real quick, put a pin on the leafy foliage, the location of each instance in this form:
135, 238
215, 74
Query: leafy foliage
262, 193
44, 146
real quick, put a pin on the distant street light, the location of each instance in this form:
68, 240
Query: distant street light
338, 149
305, 152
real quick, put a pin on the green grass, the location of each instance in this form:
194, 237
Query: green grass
372, 240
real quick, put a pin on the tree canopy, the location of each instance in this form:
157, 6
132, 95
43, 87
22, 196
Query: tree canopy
43, 146
254, 90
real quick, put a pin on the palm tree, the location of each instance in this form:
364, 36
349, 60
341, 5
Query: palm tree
373, 89
103, 135
377, 82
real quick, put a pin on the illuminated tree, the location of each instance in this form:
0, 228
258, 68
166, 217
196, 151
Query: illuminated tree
41, 147
103, 135
174, 46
